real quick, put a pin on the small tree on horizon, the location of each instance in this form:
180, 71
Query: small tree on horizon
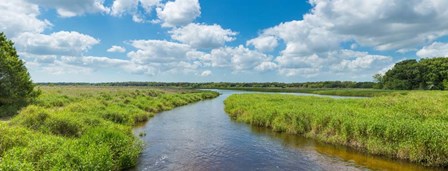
16, 87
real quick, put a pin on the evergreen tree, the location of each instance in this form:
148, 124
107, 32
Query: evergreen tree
16, 87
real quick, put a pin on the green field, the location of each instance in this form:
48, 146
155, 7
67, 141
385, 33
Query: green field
84, 128
411, 126
355, 92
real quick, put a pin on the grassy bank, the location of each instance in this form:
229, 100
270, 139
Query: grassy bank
322, 91
412, 127
84, 128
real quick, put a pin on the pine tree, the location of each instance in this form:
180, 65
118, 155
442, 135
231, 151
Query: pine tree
16, 87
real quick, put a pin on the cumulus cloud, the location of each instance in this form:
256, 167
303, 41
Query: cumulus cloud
264, 43
94, 61
237, 58
206, 73
165, 56
338, 61
19, 16
266, 66
178, 12
384, 25
361, 61
59, 68
118, 49
131, 7
304, 72
202, 35
58, 43
436, 49
158, 51
71, 8
314, 45
119, 7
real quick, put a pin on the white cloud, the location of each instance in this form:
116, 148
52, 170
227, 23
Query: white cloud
304, 72
158, 51
313, 45
59, 68
71, 8
118, 49
120, 7
131, 7
206, 73
384, 25
237, 58
178, 12
363, 62
58, 43
203, 36
165, 56
94, 61
266, 66
264, 43
19, 16
437, 49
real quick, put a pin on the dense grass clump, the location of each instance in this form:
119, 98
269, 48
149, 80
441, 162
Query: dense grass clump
84, 128
412, 127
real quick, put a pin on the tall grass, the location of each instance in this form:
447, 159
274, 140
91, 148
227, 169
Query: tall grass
412, 127
84, 128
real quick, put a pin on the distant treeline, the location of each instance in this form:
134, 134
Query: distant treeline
426, 74
324, 84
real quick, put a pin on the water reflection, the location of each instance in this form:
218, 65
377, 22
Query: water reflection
354, 158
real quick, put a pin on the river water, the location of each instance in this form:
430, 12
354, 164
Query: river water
201, 136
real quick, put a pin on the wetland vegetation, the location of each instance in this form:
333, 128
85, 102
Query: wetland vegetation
84, 127
409, 126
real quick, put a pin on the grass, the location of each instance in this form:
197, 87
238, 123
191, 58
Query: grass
411, 127
84, 128
322, 91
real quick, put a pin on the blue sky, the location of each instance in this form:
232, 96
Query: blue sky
232, 40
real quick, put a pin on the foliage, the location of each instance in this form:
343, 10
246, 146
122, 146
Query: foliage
410, 127
323, 84
84, 128
16, 88
411, 74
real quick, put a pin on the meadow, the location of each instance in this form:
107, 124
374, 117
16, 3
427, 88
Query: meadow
411, 126
84, 127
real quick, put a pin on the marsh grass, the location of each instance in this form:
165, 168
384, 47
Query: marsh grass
83, 127
412, 127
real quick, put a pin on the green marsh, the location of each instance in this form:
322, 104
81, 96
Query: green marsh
411, 126
84, 127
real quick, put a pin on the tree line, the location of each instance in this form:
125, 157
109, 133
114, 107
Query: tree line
323, 84
426, 74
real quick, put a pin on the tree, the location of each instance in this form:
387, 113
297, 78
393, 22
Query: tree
379, 80
428, 73
16, 87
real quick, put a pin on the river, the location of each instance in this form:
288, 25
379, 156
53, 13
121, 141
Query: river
201, 136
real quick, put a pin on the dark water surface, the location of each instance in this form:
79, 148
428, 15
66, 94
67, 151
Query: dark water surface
201, 136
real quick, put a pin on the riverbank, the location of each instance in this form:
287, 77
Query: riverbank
410, 127
354, 92
84, 127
